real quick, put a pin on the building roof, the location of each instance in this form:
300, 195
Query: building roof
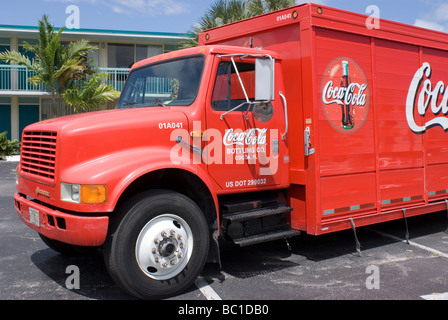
98, 34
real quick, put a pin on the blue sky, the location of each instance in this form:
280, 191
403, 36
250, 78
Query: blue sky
179, 15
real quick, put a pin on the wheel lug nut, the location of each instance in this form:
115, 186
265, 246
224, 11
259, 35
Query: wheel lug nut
164, 264
156, 241
164, 234
179, 237
179, 255
172, 262
156, 260
173, 232
154, 250
181, 245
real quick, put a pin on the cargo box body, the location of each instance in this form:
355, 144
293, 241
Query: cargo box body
389, 157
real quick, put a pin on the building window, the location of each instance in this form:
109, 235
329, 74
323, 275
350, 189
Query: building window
125, 55
4, 46
23, 51
120, 55
94, 55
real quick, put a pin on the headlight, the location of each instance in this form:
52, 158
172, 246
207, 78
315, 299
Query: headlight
79, 193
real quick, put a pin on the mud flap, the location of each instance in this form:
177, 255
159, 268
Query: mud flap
358, 244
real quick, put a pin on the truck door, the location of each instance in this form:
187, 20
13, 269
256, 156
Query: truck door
245, 149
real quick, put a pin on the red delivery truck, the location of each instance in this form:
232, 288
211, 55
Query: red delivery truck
302, 120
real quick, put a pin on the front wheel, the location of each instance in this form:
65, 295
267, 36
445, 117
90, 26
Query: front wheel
158, 245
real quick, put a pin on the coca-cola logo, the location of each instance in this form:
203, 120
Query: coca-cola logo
345, 95
249, 137
422, 95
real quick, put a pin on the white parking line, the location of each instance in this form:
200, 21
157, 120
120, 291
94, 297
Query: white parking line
433, 296
206, 290
437, 252
436, 296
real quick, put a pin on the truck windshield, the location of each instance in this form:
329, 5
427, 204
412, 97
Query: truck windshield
174, 82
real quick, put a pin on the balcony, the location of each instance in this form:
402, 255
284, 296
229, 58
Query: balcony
14, 80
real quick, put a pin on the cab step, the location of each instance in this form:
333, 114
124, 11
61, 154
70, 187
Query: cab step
282, 233
256, 213
247, 221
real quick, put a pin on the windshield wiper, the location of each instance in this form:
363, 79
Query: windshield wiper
130, 104
159, 102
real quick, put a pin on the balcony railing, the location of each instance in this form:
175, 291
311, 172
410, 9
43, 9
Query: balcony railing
16, 79
116, 77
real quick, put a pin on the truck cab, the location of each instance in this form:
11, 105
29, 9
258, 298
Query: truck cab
156, 182
299, 120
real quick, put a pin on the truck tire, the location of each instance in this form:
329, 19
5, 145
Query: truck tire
158, 244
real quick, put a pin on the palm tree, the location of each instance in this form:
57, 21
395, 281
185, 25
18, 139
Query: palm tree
92, 93
55, 65
257, 7
220, 12
223, 12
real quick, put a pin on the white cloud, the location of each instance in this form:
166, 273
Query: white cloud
117, 9
435, 19
430, 25
151, 7
73, 1
441, 13
138, 7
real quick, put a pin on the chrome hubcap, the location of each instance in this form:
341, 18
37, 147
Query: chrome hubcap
164, 247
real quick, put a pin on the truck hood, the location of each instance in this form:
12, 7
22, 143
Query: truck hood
90, 136
101, 119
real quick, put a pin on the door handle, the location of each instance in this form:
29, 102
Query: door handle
285, 104
307, 142
194, 148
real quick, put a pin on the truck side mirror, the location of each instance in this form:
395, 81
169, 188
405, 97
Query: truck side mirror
264, 79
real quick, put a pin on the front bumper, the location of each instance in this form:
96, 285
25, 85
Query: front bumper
64, 227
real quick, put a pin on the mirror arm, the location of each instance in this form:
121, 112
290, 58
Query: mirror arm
250, 103
231, 110
241, 81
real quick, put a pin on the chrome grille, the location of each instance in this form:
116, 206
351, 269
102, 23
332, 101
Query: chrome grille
38, 155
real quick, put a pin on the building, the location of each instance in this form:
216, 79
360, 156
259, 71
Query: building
22, 103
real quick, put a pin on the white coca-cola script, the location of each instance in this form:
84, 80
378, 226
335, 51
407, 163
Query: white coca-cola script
425, 94
345, 96
249, 137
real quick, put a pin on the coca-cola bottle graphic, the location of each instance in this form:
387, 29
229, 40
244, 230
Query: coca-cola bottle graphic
348, 121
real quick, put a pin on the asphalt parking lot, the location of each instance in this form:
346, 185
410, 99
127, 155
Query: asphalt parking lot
310, 268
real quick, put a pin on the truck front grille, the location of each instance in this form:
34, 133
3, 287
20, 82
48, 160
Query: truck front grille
38, 155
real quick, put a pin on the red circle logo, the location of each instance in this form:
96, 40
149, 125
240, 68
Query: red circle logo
345, 95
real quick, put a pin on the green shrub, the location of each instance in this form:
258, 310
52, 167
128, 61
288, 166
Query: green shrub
8, 147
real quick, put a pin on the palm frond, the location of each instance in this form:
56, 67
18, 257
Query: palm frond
16, 57
79, 49
93, 93
222, 12
57, 66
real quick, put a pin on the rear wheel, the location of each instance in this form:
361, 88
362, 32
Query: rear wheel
158, 245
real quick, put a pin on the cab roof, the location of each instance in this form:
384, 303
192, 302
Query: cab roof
205, 50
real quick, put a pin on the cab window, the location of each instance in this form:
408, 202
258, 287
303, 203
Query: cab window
228, 92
